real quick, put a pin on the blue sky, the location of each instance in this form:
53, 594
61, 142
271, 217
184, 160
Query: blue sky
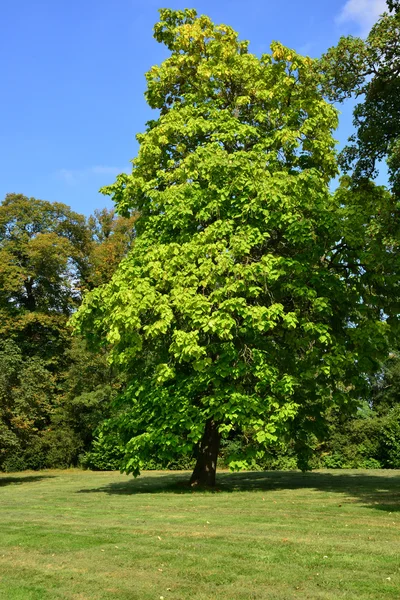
73, 80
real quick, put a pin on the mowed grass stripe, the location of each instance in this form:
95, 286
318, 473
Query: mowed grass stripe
93, 536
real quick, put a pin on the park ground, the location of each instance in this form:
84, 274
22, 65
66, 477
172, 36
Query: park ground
278, 535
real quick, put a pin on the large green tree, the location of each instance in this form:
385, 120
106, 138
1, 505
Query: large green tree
251, 299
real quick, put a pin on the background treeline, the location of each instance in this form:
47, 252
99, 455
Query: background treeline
55, 392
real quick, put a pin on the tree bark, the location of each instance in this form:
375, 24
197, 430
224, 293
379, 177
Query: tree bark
30, 301
206, 465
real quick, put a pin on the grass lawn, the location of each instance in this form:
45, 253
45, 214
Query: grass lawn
85, 535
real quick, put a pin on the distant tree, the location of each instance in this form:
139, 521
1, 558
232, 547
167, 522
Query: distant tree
386, 389
53, 393
43, 258
26, 403
252, 299
112, 237
89, 385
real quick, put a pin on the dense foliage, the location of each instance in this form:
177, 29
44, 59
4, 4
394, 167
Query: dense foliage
238, 310
43, 255
253, 298
369, 70
53, 392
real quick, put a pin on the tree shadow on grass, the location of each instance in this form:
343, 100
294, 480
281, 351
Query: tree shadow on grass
381, 492
18, 480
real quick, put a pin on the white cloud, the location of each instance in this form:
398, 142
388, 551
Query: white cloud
75, 176
67, 175
364, 13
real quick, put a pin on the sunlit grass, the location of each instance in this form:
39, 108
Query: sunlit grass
84, 535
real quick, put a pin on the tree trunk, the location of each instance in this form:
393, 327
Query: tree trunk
206, 465
30, 301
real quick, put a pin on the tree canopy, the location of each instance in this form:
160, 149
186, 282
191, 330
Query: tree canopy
370, 70
112, 236
248, 310
53, 392
251, 300
43, 256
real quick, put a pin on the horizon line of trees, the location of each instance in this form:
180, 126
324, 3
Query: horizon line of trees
63, 403
54, 392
